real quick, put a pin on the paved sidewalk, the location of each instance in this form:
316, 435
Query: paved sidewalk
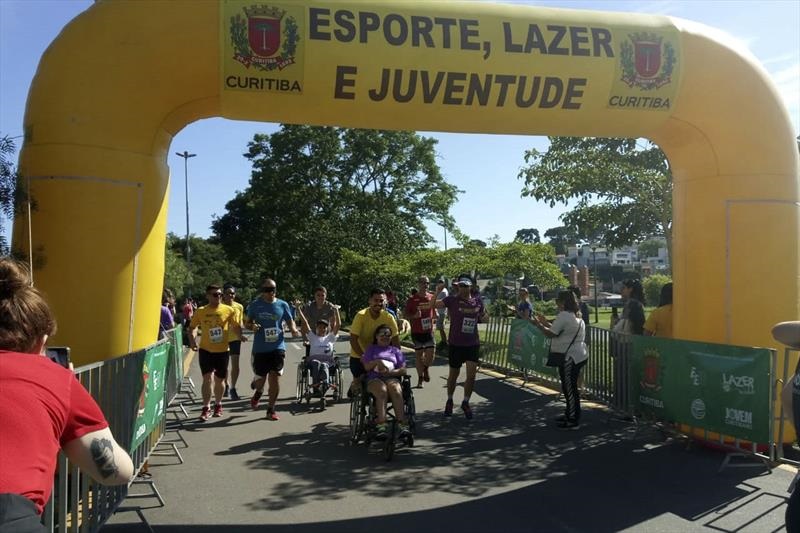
507, 470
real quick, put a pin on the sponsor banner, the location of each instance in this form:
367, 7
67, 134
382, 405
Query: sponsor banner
528, 347
724, 389
150, 407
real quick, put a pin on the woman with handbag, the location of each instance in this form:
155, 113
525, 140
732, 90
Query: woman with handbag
567, 352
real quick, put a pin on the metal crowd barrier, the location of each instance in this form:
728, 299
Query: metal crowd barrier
78, 503
605, 379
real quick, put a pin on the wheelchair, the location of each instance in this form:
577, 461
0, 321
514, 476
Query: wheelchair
305, 391
362, 419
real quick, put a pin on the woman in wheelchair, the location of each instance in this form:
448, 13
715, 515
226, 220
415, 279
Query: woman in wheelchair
321, 357
385, 365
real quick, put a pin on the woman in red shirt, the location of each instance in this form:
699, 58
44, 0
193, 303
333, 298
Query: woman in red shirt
44, 409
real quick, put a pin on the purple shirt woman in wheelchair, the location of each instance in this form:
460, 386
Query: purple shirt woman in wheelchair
385, 365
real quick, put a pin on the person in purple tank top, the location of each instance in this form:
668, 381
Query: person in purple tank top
466, 311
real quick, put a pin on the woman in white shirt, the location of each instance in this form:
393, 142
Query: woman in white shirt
567, 333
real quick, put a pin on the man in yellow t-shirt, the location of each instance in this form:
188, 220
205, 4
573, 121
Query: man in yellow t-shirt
234, 340
363, 328
216, 319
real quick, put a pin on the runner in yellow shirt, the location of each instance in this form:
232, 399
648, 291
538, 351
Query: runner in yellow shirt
234, 340
216, 319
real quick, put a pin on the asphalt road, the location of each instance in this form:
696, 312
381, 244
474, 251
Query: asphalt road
507, 470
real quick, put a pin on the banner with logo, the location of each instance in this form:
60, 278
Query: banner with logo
528, 347
724, 389
325, 63
151, 398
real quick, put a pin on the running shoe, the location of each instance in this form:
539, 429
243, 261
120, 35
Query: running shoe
448, 408
405, 431
467, 410
272, 415
217, 410
420, 385
254, 399
226, 392
205, 413
567, 425
234, 394
380, 431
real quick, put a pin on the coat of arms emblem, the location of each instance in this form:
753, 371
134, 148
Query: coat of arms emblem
651, 371
647, 61
267, 39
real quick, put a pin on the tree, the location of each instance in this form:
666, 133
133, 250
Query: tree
652, 287
650, 248
623, 190
315, 191
357, 272
210, 266
528, 236
11, 197
560, 238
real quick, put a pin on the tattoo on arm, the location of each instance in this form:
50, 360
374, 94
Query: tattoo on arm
103, 456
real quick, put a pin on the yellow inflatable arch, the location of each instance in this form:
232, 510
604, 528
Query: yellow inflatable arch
124, 77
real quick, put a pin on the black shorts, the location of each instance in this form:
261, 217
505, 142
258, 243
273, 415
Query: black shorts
216, 362
357, 367
423, 340
266, 362
458, 355
235, 347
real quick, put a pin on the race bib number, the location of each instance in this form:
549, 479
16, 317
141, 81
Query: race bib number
468, 325
271, 334
216, 335
426, 323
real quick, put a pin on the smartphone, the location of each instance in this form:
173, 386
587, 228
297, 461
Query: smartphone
59, 355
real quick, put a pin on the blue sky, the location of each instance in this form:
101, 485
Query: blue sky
484, 166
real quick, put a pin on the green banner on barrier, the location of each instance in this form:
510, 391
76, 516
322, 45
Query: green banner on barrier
528, 347
151, 399
724, 389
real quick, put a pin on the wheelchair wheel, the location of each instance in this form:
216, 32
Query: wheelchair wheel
301, 382
356, 419
411, 414
338, 383
391, 441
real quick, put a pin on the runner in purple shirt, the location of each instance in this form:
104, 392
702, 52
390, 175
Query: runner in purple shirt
465, 311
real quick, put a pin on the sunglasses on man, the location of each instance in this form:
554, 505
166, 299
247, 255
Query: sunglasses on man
267, 289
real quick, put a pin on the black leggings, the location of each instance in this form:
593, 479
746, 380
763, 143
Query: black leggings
569, 373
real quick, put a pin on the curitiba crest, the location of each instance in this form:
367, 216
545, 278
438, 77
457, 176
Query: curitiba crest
647, 63
651, 370
258, 40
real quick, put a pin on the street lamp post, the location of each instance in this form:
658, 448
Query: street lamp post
594, 267
186, 155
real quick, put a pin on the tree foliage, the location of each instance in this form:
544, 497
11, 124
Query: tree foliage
358, 272
623, 191
528, 236
561, 237
315, 191
209, 266
652, 287
12, 197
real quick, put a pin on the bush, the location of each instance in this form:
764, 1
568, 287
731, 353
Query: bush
652, 287
547, 308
